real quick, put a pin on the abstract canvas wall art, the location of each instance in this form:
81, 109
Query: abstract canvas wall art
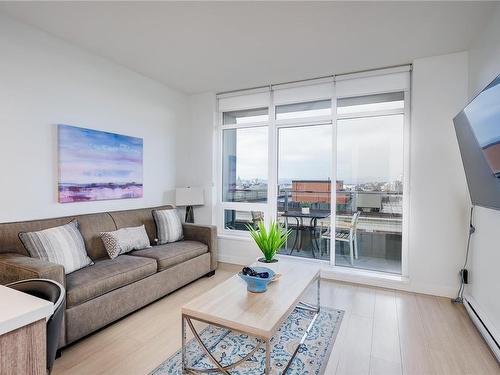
96, 165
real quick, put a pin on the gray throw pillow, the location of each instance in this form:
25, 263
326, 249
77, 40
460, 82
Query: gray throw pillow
123, 240
168, 226
62, 245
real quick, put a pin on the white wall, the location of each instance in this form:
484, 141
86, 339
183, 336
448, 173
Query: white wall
484, 263
484, 56
438, 197
45, 81
195, 152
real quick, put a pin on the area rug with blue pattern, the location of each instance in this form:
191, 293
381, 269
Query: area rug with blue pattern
229, 346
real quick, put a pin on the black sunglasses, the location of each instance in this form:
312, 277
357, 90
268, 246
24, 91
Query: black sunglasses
251, 272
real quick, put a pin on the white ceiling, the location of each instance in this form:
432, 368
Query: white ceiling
215, 46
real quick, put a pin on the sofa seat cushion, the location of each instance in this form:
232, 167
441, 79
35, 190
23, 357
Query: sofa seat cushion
106, 275
171, 254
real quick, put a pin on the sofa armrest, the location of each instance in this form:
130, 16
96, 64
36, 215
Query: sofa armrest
206, 234
14, 267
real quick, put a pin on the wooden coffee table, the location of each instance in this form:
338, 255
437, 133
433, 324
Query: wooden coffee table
230, 305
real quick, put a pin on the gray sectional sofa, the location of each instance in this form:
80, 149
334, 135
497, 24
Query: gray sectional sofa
111, 288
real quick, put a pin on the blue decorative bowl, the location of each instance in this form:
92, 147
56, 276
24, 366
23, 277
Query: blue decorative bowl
257, 284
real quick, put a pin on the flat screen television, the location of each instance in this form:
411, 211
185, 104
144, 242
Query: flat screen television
478, 132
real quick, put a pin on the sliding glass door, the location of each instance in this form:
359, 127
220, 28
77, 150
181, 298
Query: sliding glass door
370, 161
327, 159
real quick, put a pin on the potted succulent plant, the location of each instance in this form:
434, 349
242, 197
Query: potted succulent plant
269, 240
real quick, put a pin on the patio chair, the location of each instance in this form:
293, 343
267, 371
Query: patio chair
324, 234
257, 217
346, 234
239, 221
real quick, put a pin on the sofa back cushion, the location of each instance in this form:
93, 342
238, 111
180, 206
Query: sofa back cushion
91, 226
135, 218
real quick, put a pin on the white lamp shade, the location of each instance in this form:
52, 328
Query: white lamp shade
189, 197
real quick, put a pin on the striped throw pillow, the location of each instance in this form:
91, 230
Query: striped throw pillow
62, 245
168, 226
123, 240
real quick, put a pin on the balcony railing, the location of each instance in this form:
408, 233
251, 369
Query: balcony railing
378, 230
245, 195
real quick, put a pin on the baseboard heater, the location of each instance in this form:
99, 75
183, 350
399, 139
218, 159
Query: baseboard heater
489, 335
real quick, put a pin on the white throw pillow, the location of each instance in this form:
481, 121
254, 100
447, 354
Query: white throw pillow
62, 245
168, 226
123, 240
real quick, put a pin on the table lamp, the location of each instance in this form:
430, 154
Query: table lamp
189, 197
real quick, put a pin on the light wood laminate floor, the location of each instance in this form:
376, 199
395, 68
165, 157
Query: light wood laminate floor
383, 332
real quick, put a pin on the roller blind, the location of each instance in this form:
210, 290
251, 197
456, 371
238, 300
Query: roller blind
243, 100
377, 81
347, 85
308, 91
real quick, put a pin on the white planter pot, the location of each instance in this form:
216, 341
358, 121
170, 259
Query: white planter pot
275, 266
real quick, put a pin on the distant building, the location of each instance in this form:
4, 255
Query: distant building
317, 191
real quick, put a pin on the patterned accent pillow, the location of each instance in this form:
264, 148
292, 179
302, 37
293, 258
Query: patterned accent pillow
168, 226
123, 240
62, 245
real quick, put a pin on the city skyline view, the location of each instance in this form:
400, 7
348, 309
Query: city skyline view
305, 152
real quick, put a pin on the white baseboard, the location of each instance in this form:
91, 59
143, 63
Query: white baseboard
382, 280
483, 324
358, 277
225, 258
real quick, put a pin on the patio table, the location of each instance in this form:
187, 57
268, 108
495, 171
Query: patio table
299, 216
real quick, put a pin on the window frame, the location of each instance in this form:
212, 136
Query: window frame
269, 208
370, 86
238, 206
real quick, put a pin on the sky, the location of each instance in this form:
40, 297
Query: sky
368, 150
305, 153
91, 156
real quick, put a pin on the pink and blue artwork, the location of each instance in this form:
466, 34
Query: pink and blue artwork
96, 165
